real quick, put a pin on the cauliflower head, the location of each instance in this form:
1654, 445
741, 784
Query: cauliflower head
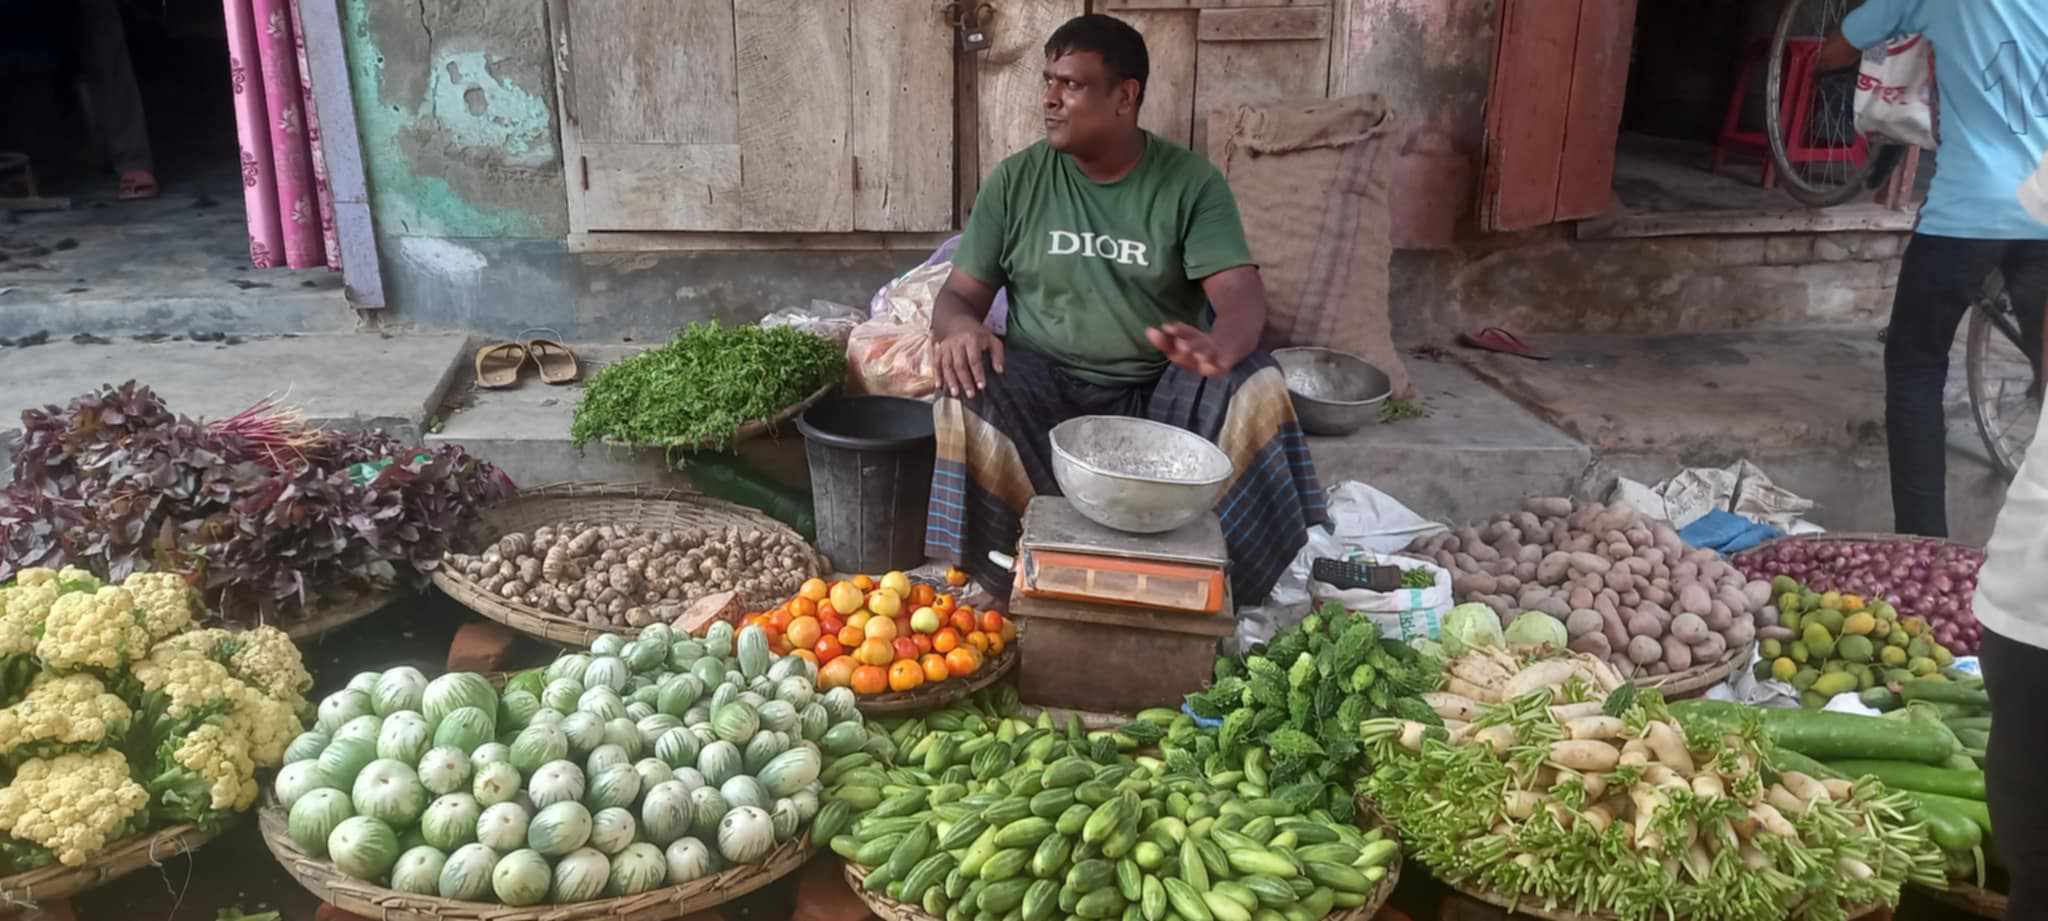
219, 757
72, 804
165, 601
195, 687
97, 630
63, 712
268, 725
23, 609
35, 576
266, 658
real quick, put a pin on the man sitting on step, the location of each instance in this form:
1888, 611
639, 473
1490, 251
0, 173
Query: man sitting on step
1117, 248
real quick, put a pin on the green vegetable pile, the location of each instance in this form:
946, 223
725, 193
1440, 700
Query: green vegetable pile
1300, 700
1000, 818
696, 391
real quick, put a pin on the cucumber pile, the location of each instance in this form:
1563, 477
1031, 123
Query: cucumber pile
1005, 819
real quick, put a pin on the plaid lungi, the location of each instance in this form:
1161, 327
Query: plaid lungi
994, 454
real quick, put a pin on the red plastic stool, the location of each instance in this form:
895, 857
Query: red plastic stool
1795, 110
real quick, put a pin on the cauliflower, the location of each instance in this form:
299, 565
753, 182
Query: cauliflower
268, 724
207, 772
36, 576
23, 609
97, 630
165, 601
74, 579
73, 711
72, 804
266, 658
188, 688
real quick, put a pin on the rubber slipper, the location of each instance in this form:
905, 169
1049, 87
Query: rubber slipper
136, 185
1495, 339
498, 365
558, 364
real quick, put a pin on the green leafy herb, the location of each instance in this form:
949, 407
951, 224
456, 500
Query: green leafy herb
1397, 410
696, 391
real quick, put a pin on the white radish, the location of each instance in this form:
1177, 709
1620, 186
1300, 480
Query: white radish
1548, 673
1669, 746
1773, 821
1565, 713
1805, 788
1634, 753
1452, 706
1697, 861
1596, 786
1586, 755
1752, 858
1597, 816
1595, 727
1647, 801
1466, 689
1501, 737
1478, 670
1782, 800
1412, 735
1708, 786
1661, 775
1838, 789
1856, 869
1521, 804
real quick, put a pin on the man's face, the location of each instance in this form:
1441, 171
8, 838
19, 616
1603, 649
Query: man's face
1084, 104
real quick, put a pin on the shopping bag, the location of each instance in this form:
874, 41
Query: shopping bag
1895, 92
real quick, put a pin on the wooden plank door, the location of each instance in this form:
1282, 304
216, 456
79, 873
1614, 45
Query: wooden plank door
902, 116
1257, 54
1169, 107
1009, 88
796, 108
1554, 112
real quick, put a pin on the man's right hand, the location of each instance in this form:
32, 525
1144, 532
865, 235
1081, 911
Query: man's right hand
957, 356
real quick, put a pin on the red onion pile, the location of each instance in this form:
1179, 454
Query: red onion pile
1928, 578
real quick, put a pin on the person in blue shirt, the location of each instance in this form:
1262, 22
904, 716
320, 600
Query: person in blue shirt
1991, 68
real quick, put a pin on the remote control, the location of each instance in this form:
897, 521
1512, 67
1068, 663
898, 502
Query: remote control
1347, 575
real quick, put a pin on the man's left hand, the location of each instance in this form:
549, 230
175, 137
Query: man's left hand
1189, 348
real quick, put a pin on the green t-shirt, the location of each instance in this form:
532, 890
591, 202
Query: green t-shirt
1090, 265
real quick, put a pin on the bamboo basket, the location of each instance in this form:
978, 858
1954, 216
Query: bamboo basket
1697, 679
746, 432
634, 505
373, 901
1977, 901
1518, 908
934, 696
891, 910
125, 856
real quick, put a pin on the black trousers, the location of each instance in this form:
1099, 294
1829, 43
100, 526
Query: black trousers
1940, 279
2016, 674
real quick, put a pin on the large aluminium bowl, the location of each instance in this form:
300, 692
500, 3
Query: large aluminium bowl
1334, 393
1137, 475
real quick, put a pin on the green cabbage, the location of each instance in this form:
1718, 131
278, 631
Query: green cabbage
1532, 629
1469, 626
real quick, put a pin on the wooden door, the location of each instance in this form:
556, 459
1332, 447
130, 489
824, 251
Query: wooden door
902, 116
1169, 108
1554, 114
1256, 54
1009, 89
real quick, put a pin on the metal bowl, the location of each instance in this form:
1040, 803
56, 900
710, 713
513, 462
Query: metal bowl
1137, 475
1335, 393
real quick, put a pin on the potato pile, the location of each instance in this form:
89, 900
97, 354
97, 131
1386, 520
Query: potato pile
631, 577
1627, 589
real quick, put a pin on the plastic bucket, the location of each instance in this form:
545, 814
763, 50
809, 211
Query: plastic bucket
871, 478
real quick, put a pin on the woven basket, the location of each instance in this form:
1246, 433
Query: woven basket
891, 910
125, 856
1981, 902
373, 901
934, 696
1523, 908
746, 432
636, 505
1698, 678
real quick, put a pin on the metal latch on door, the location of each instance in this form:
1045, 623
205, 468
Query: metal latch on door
969, 21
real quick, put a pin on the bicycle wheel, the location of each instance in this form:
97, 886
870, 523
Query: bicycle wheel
2004, 394
1831, 119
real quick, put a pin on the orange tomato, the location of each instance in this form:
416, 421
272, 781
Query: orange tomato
870, 679
874, 652
978, 640
807, 656
837, 672
922, 595
991, 621
780, 619
814, 589
946, 640
963, 661
923, 641
963, 621
880, 628
828, 648
865, 583
1009, 630
850, 636
903, 625
757, 620
803, 631
943, 604
955, 576
935, 668
847, 597
903, 648
906, 675
830, 621
778, 644
996, 644
802, 607
858, 619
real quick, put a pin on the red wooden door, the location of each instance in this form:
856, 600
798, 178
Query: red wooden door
1554, 113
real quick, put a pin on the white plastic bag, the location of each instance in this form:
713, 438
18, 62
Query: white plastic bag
822, 318
1402, 614
1895, 92
1362, 520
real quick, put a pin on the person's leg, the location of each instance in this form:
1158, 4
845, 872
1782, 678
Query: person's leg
1939, 280
1275, 498
116, 99
2016, 674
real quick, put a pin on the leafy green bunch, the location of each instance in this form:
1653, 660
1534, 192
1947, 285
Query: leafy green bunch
696, 391
1301, 698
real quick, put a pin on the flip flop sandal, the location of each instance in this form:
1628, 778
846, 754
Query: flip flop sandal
498, 365
558, 364
137, 185
1495, 339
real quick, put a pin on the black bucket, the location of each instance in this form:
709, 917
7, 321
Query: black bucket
871, 478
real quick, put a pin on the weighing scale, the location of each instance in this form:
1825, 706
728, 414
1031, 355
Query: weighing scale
1064, 555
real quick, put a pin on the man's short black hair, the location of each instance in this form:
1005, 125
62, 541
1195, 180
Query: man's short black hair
1121, 47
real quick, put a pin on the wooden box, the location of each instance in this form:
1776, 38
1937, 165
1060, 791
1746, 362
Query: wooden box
1080, 656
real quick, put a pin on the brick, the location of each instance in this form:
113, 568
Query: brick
481, 647
1882, 246
1743, 250
822, 894
1791, 249
330, 913
1835, 247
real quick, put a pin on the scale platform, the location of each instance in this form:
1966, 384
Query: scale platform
1064, 555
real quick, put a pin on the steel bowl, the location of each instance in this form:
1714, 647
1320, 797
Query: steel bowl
1137, 475
1335, 393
